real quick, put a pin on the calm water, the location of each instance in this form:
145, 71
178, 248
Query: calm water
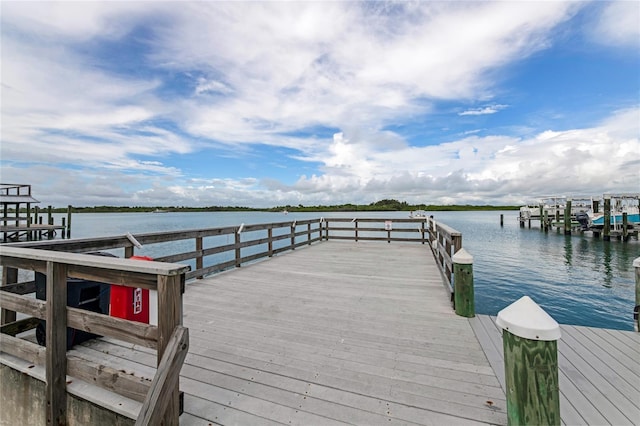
576, 279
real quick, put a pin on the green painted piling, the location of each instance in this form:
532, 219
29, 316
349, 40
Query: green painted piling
567, 218
530, 348
606, 230
636, 311
49, 216
463, 293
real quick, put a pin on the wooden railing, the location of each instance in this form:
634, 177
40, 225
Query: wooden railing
167, 279
246, 243
61, 259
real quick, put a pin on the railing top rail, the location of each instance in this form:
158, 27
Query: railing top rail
102, 262
111, 242
449, 230
375, 219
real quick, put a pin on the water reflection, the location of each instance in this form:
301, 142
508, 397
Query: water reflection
568, 250
608, 274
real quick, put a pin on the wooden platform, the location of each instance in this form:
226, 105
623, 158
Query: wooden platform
341, 332
599, 372
363, 333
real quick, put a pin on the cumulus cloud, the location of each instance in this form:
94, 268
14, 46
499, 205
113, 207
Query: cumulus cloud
223, 79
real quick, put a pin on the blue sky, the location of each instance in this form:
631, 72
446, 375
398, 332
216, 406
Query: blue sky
273, 103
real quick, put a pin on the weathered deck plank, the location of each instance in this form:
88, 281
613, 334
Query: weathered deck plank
598, 373
342, 332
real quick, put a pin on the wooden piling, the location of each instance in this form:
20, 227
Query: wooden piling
530, 348
567, 217
625, 225
502, 220
464, 300
606, 230
596, 206
636, 310
541, 216
544, 221
69, 210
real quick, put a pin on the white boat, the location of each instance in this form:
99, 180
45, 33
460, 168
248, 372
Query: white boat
418, 214
596, 220
553, 206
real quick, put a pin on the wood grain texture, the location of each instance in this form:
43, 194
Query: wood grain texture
531, 372
599, 371
56, 338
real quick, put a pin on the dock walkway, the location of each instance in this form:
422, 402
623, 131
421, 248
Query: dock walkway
363, 333
599, 371
342, 332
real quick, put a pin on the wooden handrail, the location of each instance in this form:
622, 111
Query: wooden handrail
287, 234
163, 392
168, 279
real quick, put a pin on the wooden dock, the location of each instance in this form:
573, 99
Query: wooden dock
344, 332
599, 371
341, 332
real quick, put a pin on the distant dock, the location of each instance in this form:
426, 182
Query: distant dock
19, 222
351, 324
611, 216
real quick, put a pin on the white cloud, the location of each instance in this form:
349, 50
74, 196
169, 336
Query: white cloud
260, 72
619, 23
491, 109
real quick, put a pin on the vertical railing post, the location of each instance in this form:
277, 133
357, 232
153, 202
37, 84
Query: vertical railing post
529, 338
636, 310
325, 225
237, 247
293, 235
9, 276
567, 217
56, 343
464, 299
170, 289
199, 258
270, 242
309, 233
355, 221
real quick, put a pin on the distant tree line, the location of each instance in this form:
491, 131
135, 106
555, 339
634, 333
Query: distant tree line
382, 205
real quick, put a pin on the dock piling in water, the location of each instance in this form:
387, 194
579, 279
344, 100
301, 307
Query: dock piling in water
567, 218
636, 310
606, 230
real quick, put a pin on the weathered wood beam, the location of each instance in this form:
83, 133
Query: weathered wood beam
169, 317
56, 338
165, 383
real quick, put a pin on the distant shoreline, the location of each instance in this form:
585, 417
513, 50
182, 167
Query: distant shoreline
290, 209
